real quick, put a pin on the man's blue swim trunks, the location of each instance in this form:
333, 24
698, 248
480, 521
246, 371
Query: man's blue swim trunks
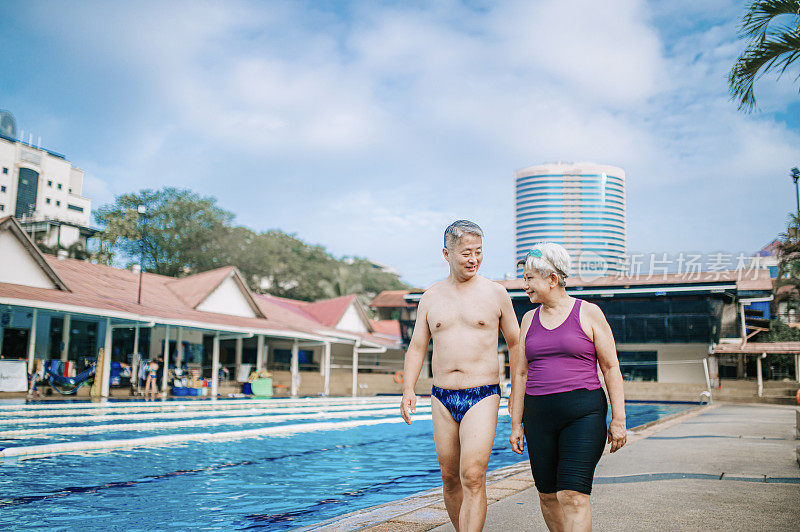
458, 402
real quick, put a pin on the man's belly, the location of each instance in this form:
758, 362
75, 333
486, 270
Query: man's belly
454, 372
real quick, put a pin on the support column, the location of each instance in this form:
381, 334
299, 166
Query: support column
259, 351
215, 366
744, 326
165, 372
797, 367
295, 369
326, 363
179, 348
32, 339
758, 374
105, 378
355, 367
237, 358
136, 359
65, 337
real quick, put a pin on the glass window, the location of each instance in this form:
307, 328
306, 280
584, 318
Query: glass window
58, 203
49, 183
59, 186
47, 200
2, 207
638, 365
5, 170
27, 192
2, 188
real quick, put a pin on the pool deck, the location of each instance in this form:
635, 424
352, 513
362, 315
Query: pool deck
720, 467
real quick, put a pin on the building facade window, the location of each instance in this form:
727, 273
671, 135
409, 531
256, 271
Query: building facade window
2, 188
74, 207
59, 186
49, 183
58, 203
47, 201
5, 170
27, 192
2, 207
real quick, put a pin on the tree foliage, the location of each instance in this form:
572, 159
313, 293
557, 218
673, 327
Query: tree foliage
787, 285
772, 28
183, 233
178, 233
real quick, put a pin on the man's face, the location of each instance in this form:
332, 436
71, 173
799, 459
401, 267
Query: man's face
466, 256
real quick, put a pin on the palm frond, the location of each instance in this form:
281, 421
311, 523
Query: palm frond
760, 14
773, 51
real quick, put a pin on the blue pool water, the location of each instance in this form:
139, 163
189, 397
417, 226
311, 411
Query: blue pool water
270, 482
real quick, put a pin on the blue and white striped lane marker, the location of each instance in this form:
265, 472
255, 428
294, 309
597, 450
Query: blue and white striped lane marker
122, 416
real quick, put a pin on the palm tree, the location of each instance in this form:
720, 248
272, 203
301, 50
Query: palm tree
773, 47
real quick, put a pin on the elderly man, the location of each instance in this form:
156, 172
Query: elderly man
462, 314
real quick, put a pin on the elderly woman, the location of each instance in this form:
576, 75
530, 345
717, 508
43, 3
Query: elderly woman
561, 409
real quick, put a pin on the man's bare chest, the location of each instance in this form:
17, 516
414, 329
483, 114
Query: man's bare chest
468, 315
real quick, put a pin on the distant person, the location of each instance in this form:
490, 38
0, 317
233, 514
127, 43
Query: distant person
150, 383
561, 408
462, 314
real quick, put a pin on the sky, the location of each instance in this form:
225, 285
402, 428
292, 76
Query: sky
367, 127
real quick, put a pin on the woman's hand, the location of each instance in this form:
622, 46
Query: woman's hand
617, 434
517, 439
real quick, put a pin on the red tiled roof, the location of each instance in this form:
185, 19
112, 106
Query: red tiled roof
391, 299
195, 288
329, 311
387, 327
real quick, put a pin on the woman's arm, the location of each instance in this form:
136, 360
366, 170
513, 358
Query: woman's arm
609, 365
519, 375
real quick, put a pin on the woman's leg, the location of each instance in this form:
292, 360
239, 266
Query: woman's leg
552, 512
576, 510
542, 439
580, 446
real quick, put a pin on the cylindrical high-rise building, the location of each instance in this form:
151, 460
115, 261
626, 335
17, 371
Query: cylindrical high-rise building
578, 205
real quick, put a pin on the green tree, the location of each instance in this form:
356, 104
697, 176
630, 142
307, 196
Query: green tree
772, 28
787, 285
179, 233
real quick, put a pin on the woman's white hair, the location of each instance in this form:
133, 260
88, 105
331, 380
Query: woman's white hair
547, 258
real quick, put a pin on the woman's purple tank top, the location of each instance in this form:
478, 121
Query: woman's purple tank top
561, 359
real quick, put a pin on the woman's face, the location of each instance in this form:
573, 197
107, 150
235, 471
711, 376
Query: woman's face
536, 286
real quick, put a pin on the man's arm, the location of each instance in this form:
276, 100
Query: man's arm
609, 365
415, 356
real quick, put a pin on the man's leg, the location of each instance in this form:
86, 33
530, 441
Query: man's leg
445, 439
476, 435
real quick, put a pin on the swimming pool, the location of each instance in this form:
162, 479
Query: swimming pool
325, 457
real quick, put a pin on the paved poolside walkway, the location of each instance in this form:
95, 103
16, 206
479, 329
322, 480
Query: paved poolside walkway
729, 468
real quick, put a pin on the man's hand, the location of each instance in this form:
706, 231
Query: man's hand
617, 434
517, 439
408, 405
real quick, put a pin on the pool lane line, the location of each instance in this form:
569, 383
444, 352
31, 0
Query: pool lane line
175, 406
65, 492
70, 447
192, 402
64, 448
238, 420
189, 414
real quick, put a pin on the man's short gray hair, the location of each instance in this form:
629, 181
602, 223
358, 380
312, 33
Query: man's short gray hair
547, 258
456, 230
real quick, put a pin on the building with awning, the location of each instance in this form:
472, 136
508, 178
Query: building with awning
60, 308
665, 325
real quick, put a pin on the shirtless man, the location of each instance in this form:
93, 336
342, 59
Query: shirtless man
462, 314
